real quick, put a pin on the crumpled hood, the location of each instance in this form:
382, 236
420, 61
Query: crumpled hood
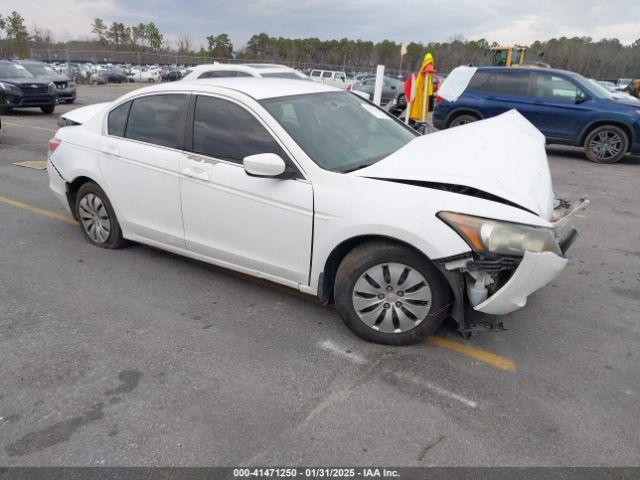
504, 156
82, 114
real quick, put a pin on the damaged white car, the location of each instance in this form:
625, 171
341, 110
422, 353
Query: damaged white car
317, 189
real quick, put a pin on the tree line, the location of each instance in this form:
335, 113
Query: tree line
599, 59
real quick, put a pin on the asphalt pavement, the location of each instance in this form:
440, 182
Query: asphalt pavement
140, 357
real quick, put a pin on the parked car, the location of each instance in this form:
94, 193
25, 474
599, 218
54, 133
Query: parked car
20, 89
65, 87
258, 70
115, 75
392, 89
170, 74
319, 190
615, 92
565, 106
146, 74
332, 77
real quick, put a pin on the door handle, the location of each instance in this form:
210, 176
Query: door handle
111, 150
196, 172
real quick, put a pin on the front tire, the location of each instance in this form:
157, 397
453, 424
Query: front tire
390, 294
97, 218
606, 144
48, 109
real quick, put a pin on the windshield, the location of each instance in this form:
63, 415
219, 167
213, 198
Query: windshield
592, 86
339, 131
12, 70
40, 70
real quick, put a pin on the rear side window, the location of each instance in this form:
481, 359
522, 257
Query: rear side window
512, 83
290, 75
480, 82
117, 121
326, 74
315, 73
225, 130
224, 74
157, 119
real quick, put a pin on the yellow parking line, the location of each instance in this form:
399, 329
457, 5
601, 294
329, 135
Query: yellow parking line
484, 356
27, 126
40, 211
487, 357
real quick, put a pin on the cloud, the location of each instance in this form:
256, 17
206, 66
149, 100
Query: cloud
408, 20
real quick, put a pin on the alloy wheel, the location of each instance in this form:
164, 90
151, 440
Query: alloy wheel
94, 218
606, 145
392, 298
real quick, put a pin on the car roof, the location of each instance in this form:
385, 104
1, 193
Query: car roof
256, 88
525, 69
258, 68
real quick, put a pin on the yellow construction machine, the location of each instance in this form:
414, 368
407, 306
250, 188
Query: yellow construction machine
502, 56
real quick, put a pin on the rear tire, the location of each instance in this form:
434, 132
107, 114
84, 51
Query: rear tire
606, 144
462, 119
97, 218
48, 109
403, 281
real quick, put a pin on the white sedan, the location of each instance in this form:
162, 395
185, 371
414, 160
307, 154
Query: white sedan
317, 189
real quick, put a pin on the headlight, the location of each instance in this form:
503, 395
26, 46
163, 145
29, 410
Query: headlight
8, 86
485, 235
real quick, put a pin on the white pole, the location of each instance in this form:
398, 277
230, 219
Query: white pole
424, 98
406, 117
377, 90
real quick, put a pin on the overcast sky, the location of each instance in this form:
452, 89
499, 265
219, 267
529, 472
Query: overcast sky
503, 21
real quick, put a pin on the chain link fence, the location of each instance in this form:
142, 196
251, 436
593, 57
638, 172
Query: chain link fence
162, 59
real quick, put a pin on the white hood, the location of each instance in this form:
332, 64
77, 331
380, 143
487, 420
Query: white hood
504, 156
82, 114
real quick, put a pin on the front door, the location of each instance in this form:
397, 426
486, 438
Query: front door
259, 225
562, 108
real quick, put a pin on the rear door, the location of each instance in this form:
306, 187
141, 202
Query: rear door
259, 225
506, 90
140, 161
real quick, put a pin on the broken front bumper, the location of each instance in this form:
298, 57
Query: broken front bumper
534, 272
497, 285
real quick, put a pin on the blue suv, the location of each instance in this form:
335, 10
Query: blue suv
566, 107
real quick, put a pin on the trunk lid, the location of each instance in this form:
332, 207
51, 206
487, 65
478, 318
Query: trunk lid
80, 115
504, 156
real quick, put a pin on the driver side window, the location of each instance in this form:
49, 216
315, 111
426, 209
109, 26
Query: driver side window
227, 131
555, 88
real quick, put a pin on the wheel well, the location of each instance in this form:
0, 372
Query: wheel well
457, 113
72, 191
328, 275
593, 126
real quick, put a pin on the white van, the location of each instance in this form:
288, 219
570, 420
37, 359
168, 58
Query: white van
331, 77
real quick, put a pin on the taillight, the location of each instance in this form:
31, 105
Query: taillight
53, 144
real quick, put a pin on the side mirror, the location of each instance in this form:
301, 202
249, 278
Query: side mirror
264, 165
581, 97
